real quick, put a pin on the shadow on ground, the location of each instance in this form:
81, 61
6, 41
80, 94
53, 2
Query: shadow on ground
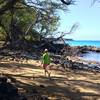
31, 81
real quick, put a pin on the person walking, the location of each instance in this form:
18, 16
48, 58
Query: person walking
46, 62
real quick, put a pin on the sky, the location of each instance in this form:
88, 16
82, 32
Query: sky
88, 18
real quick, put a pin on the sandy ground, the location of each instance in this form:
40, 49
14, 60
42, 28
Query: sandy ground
63, 85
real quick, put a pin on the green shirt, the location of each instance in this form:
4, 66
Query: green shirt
46, 58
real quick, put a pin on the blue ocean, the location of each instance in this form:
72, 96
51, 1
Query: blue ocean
84, 43
91, 56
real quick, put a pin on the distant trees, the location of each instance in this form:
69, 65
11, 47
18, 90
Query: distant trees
22, 20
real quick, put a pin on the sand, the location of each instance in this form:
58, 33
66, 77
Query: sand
63, 85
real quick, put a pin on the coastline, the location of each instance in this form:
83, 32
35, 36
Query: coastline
71, 53
78, 77
73, 60
91, 53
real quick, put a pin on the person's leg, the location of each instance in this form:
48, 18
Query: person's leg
48, 73
45, 69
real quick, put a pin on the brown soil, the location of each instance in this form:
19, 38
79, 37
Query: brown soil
63, 85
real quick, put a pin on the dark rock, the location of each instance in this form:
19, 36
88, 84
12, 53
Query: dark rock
44, 98
3, 79
7, 90
42, 86
35, 91
23, 98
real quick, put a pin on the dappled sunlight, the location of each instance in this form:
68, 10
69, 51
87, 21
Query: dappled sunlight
68, 84
85, 86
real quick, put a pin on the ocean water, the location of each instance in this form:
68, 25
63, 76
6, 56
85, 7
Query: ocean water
84, 43
91, 56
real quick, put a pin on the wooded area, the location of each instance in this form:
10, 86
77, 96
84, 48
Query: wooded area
25, 21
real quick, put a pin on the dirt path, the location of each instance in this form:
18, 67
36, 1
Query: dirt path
63, 85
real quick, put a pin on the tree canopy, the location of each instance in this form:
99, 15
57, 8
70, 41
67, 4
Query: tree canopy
21, 20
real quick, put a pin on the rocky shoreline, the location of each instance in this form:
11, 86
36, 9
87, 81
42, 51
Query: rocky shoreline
72, 60
77, 50
80, 64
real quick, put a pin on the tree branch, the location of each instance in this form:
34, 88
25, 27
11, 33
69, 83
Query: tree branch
67, 2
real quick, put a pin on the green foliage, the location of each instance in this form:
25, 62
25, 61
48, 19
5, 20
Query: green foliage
2, 34
29, 19
24, 17
6, 20
32, 36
